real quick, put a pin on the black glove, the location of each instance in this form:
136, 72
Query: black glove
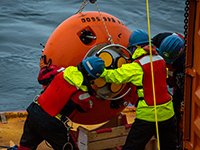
44, 63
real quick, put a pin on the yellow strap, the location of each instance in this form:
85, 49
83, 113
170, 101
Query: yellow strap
58, 116
153, 86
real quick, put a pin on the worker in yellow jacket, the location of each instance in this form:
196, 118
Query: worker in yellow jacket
139, 74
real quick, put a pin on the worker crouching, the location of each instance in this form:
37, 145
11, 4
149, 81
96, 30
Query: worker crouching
68, 93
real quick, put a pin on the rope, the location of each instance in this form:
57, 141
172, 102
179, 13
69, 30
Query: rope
110, 38
153, 86
82, 7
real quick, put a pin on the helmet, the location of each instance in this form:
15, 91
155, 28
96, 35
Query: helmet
94, 66
171, 48
138, 37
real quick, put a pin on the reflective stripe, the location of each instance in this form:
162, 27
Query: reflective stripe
146, 59
61, 69
84, 96
89, 65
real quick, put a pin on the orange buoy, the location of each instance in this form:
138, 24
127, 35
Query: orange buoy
73, 39
75, 36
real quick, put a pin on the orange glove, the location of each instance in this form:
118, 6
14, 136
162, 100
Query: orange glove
94, 86
44, 63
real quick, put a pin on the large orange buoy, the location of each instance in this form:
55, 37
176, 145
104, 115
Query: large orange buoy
70, 43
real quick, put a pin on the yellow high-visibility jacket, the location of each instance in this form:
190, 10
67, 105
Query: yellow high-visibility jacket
74, 77
133, 73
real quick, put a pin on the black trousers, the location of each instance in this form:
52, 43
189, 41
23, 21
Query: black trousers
142, 131
34, 134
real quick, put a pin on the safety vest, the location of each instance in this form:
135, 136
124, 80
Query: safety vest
56, 96
164, 104
146, 91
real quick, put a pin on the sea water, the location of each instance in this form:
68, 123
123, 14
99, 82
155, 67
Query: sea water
24, 24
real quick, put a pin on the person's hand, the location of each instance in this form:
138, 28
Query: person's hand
47, 74
153, 49
94, 86
44, 63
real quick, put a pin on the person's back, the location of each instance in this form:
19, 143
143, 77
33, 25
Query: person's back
68, 93
139, 74
160, 73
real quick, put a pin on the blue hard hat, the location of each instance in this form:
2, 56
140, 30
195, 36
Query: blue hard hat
138, 37
171, 48
94, 66
92, 1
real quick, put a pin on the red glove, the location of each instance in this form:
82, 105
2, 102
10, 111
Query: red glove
47, 74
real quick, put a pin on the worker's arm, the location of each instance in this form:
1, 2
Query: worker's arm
80, 101
131, 72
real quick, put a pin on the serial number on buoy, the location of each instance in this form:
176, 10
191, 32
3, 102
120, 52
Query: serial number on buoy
106, 19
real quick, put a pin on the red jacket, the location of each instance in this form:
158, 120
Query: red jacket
59, 92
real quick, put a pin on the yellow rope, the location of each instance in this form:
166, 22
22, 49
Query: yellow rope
153, 86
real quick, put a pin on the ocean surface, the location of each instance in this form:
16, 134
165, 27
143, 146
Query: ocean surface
24, 24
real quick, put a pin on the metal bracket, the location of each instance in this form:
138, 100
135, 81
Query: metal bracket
3, 118
105, 47
190, 71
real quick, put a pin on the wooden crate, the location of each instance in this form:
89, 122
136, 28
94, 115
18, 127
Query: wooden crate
111, 135
92, 140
